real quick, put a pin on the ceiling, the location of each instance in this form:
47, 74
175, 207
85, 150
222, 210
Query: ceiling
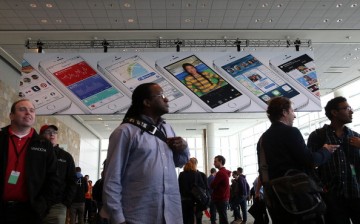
332, 26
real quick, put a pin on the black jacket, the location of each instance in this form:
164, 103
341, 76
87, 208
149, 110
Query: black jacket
81, 189
40, 164
66, 172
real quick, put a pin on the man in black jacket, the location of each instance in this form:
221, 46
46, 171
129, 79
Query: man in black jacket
28, 177
66, 172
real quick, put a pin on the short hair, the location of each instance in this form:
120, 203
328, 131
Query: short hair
140, 93
240, 170
212, 170
190, 166
333, 105
13, 106
187, 64
235, 172
276, 106
221, 159
77, 169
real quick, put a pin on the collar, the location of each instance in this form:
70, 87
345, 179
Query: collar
29, 135
151, 121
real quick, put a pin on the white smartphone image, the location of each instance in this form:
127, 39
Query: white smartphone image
298, 68
93, 93
129, 71
207, 88
44, 96
256, 80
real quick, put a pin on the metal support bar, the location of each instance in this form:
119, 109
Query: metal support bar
163, 43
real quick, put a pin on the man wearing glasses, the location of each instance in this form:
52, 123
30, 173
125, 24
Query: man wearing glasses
340, 175
28, 177
66, 173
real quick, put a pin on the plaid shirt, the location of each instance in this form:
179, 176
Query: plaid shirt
341, 174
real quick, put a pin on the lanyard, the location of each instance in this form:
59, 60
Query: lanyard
18, 153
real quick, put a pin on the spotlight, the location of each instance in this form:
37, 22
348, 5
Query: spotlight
105, 44
237, 42
178, 43
297, 44
39, 45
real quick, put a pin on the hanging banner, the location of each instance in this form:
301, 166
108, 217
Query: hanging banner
102, 83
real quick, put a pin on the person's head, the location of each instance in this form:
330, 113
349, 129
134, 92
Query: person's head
280, 109
22, 114
149, 99
235, 174
77, 169
307, 78
189, 68
339, 110
86, 177
213, 171
219, 161
191, 165
50, 132
240, 170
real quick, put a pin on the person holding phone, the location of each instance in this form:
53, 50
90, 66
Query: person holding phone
140, 184
201, 82
340, 176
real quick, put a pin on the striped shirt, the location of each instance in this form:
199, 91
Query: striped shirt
341, 174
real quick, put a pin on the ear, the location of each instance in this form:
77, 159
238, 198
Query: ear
334, 112
146, 102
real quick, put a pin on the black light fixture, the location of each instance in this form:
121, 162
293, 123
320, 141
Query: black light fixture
105, 44
237, 42
178, 43
297, 44
39, 45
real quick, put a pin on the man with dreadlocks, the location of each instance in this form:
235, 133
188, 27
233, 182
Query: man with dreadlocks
140, 184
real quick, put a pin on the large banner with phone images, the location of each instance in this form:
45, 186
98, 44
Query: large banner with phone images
102, 83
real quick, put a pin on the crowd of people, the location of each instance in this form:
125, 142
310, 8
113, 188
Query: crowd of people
139, 184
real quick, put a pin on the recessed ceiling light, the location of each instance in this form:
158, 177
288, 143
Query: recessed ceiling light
58, 21
131, 20
127, 5
33, 5
356, 49
264, 5
188, 5
339, 20
279, 5
203, 5
43, 20
338, 5
326, 20
353, 5
270, 20
187, 20
48, 5
257, 20
202, 20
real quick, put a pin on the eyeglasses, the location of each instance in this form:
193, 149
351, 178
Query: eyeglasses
49, 132
348, 108
161, 95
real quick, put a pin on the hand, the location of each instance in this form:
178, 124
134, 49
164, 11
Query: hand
177, 143
354, 141
331, 148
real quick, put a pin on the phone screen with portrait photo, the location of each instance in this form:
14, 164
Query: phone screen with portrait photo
204, 82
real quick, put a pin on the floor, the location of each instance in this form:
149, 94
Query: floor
250, 219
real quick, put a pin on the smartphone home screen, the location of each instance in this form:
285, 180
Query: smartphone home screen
302, 69
199, 78
134, 71
84, 82
34, 87
258, 79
